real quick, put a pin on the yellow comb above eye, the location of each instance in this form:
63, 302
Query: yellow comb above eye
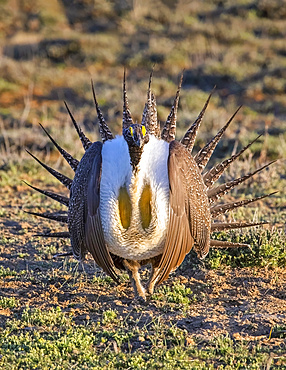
131, 130
143, 130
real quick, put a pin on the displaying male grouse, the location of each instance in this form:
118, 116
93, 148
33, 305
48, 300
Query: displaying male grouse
142, 198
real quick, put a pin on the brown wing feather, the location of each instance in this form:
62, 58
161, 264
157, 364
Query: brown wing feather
189, 221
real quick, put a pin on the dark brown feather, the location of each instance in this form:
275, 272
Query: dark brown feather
59, 198
51, 216
190, 136
86, 143
219, 226
104, 130
62, 178
169, 130
127, 119
215, 173
71, 161
149, 117
83, 218
225, 244
217, 192
61, 234
223, 208
203, 156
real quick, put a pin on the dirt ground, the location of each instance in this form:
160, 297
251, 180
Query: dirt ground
245, 303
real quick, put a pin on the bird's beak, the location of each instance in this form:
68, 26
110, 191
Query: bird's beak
138, 141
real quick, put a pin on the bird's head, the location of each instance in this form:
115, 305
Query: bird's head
136, 135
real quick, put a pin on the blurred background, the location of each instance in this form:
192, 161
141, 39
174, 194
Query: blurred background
53, 315
50, 51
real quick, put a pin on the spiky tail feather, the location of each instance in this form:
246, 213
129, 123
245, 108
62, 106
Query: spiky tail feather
223, 208
219, 226
149, 116
203, 156
224, 244
51, 216
62, 178
70, 160
57, 197
217, 192
61, 234
169, 130
127, 118
190, 136
104, 130
86, 143
215, 173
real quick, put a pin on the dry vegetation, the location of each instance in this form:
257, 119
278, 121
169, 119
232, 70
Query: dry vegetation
228, 311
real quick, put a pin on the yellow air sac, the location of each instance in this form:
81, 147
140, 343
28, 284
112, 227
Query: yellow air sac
145, 206
125, 208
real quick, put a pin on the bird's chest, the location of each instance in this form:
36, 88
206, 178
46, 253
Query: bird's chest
134, 205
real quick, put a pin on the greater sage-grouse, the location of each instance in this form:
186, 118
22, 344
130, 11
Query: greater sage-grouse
142, 198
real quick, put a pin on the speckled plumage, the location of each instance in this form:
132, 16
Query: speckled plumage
149, 116
180, 202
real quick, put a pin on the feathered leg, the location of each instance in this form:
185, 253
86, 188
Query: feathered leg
132, 268
153, 274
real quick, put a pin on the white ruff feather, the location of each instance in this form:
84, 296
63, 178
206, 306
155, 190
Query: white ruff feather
134, 243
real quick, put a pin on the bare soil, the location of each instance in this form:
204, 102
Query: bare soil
244, 303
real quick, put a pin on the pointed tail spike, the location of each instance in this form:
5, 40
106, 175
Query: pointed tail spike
203, 156
190, 136
62, 254
57, 197
224, 244
215, 173
71, 161
51, 216
104, 130
127, 119
169, 130
66, 181
149, 117
220, 226
86, 143
217, 192
61, 234
224, 208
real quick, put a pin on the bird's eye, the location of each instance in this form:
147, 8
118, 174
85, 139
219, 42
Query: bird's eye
143, 130
131, 130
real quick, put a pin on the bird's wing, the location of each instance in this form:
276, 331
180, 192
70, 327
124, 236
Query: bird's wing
84, 222
189, 221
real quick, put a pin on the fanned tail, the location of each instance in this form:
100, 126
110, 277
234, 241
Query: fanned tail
66, 181
169, 130
217, 192
71, 161
86, 143
190, 136
215, 173
203, 156
223, 208
104, 130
